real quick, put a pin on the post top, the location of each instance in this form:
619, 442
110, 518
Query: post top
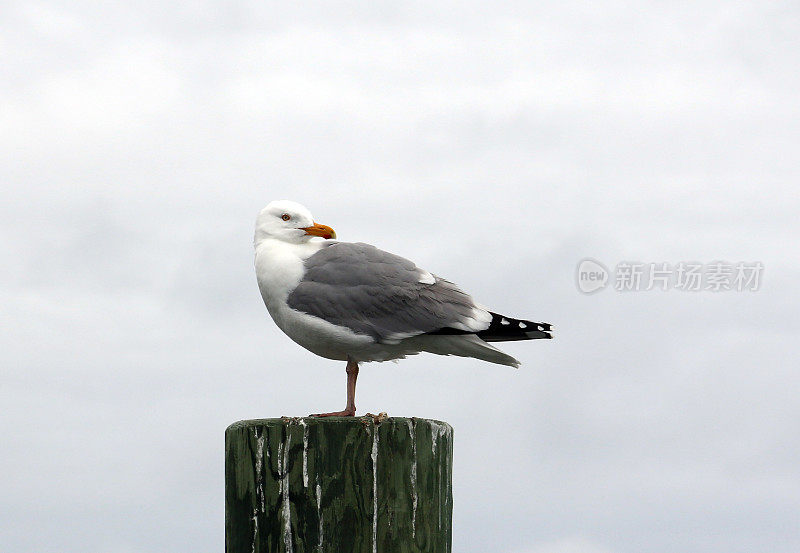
365, 420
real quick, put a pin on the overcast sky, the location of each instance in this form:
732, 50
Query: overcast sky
495, 144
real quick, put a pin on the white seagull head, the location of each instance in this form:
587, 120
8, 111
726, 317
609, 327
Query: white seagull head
290, 222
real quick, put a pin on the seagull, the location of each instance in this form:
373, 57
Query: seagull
353, 302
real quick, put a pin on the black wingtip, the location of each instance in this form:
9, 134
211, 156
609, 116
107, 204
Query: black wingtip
505, 329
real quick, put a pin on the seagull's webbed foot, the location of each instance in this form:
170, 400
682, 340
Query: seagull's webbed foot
345, 413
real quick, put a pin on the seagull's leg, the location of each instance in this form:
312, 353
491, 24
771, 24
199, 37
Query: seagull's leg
350, 410
352, 375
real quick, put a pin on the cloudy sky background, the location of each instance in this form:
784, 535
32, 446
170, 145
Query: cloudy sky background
495, 145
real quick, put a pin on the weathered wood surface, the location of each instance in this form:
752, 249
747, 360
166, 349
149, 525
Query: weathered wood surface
338, 485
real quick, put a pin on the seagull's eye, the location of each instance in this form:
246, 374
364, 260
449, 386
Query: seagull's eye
286, 216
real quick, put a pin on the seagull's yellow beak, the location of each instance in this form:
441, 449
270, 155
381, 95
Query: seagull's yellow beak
320, 230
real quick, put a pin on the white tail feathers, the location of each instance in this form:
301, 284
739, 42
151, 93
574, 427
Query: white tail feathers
466, 345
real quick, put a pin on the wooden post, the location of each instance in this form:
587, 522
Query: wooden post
338, 485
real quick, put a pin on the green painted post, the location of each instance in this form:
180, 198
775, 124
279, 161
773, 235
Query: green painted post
338, 485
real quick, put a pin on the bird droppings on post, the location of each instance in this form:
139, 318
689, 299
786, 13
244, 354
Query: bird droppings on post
375, 488
287, 508
413, 477
319, 513
259, 465
439, 430
305, 453
374, 457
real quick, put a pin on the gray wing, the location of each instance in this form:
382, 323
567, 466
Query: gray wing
381, 295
